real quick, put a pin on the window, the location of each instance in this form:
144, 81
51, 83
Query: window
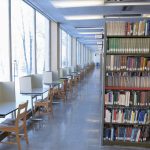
4, 42
69, 50
42, 43
22, 39
81, 53
64, 49
78, 53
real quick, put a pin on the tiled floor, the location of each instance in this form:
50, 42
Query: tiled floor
75, 126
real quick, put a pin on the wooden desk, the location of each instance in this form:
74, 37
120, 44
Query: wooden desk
64, 78
53, 84
34, 93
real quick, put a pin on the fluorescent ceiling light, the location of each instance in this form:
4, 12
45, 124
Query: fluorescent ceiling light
94, 40
99, 36
99, 46
146, 15
83, 17
75, 3
121, 17
99, 43
126, 3
90, 32
89, 28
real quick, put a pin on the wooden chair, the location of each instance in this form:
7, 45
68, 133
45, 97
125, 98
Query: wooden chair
46, 103
62, 92
14, 125
75, 80
69, 86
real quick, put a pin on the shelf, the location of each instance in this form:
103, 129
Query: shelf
127, 88
111, 71
127, 107
125, 124
117, 46
130, 54
128, 36
127, 143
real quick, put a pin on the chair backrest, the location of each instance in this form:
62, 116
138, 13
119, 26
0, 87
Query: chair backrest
22, 112
70, 84
50, 95
65, 85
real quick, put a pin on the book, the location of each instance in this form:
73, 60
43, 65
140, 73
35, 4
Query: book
128, 28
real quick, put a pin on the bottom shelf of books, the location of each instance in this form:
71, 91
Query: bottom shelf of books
127, 143
127, 118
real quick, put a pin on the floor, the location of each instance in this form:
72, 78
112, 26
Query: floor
75, 125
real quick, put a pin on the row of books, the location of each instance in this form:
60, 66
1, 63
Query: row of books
123, 115
127, 134
128, 45
128, 81
128, 28
127, 98
128, 63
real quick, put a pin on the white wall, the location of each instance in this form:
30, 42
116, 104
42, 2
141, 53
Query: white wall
96, 57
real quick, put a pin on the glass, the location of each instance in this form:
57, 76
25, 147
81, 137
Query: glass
78, 53
22, 39
69, 50
64, 49
42, 43
4, 42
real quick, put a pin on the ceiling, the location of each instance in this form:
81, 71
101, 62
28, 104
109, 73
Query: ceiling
108, 8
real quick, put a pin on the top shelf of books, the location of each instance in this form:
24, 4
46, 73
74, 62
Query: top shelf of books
128, 36
122, 29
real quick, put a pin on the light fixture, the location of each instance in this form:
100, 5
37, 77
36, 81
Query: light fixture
99, 43
126, 3
92, 40
99, 36
83, 17
90, 28
146, 15
90, 33
75, 3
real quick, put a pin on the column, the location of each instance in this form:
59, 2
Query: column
55, 49
74, 52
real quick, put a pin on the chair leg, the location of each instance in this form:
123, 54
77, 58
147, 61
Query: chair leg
25, 133
18, 140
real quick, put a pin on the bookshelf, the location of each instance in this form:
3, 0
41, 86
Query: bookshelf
127, 84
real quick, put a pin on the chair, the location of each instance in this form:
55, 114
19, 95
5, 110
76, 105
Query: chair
47, 102
75, 80
14, 125
62, 92
69, 87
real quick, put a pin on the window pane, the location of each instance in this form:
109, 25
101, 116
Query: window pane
77, 53
64, 49
4, 42
69, 50
42, 43
22, 38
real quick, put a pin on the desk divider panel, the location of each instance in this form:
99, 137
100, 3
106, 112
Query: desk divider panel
7, 92
25, 83
47, 77
73, 69
55, 76
65, 71
37, 81
61, 72
68, 71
